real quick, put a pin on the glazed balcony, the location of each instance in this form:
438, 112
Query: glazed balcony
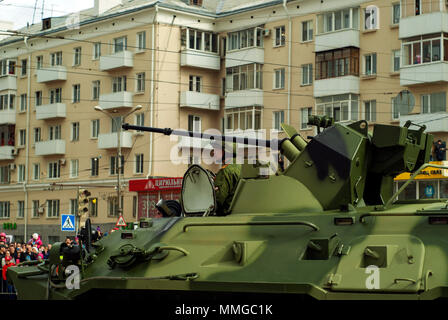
51, 111
424, 73
200, 59
8, 83
7, 153
8, 116
428, 23
123, 59
53, 73
199, 100
50, 147
110, 140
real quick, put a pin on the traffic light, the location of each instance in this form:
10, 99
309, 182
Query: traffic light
83, 201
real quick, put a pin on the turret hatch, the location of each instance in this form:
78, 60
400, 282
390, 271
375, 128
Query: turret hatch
198, 194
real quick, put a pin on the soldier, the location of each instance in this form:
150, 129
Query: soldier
226, 180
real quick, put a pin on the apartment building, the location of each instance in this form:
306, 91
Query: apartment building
241, 67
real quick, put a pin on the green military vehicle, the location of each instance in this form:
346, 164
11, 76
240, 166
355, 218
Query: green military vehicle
328, 227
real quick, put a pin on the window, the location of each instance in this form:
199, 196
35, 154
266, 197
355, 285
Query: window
139, 163
74, 168
141, 82
4, 175
93, 207
278, 118
75, 131
337, 63
396, 60
37, 135
396, 13
424, 50
39, 62
20, 209
305, 113
94, 166
23, 102
38, 99
418, 7
96, 50
195, 83
4, 209
21, 173
7, 67
199, 40
22, 137
95, 90
73, 206
115, 166
194, 123
36, 171
434, 102
52, 208
54, 170
119, 84
279, 78
307, 74
341, 107
56, 58
120, 44
24, 63
280, 37
245, 118
116, 123
134, 206
95, 128
196, 2
371, 18
140, 119
370, 110
307, 30
77, 56
7, 101
112, 206
76, 93
370, 64
248, 38
56, 95
244, 77
54, 132
35, 208
141, 41
338, 20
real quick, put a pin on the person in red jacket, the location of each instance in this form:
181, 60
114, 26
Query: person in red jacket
7, 287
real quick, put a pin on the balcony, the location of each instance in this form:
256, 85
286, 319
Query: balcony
244, 98
123, 59
199, 100
8, 83
115, 100
244, 56
423, 73
334, 86
54, 73
8, 116
51, 111
337, 39
50, 147
200, 59
6, 153
435, 22
434, 122
110, 140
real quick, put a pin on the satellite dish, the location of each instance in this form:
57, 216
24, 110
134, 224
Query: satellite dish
405, 102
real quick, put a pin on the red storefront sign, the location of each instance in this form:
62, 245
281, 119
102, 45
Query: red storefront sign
150, 191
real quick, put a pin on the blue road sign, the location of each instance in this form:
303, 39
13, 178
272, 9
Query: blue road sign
67, 222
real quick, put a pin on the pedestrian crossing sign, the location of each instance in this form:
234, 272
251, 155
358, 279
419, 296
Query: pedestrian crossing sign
121, 222
67, 222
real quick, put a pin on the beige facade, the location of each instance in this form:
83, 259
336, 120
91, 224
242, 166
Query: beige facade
242, 69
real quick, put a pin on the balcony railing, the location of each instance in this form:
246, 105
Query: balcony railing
114, 100
199, 100
200, 59
53, 73
335, 86
110, 140
123, 59
8, 83
6, 153
51, 111
50, 147
8, 116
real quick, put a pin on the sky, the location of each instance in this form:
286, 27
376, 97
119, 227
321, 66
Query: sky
21, 11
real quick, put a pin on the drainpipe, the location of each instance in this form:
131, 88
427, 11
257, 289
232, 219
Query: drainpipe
289, 60
27, 154
151, 101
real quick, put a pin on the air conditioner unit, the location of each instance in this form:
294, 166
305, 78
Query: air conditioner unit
62, 162
12, 166
267, 32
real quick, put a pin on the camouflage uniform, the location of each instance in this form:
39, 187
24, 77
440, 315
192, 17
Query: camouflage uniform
226, 181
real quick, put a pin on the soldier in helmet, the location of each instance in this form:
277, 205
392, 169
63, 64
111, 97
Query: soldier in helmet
226, 180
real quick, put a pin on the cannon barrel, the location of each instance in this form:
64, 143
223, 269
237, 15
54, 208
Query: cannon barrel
273, 144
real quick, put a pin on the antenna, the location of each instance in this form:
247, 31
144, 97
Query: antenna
42, 12
34, 11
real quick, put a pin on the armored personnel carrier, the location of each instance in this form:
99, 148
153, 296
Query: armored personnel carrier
328, 227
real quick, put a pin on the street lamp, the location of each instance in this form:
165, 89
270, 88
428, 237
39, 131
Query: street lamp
98, 108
